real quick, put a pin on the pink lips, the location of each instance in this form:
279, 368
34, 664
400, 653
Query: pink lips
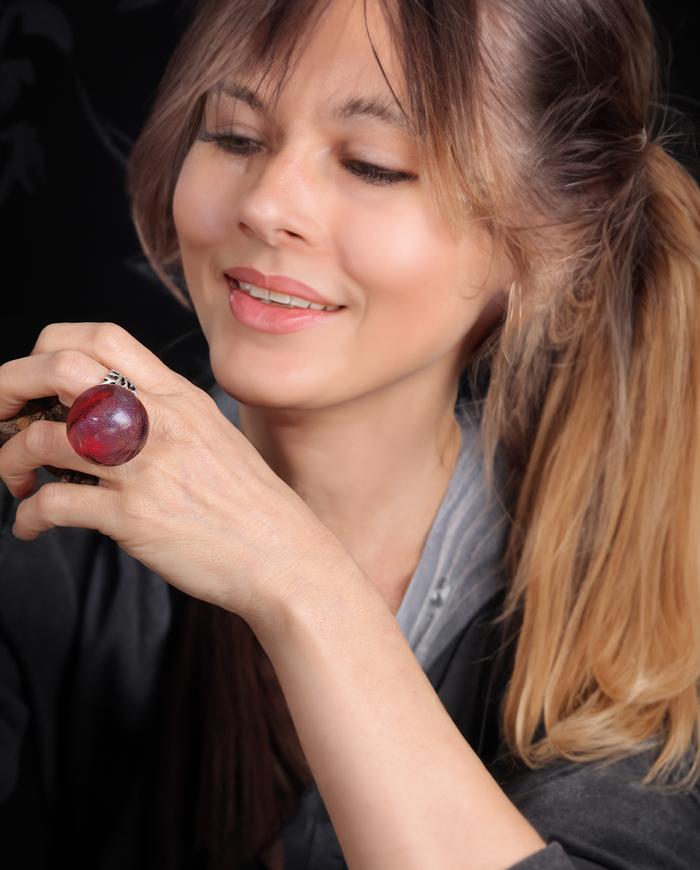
264, 317
279, 283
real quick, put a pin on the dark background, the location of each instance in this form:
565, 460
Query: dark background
76, 83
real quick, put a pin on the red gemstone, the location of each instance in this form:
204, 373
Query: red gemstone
107, 425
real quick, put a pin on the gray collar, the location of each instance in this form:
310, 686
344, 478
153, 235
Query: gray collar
460, 567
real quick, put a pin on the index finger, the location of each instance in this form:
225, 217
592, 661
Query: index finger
113, 347
64, 373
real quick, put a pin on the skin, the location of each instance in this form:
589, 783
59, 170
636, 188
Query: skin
333, 421
356, 415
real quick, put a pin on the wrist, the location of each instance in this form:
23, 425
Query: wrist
314, 597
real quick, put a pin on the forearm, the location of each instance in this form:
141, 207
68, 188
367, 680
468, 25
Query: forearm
402, 786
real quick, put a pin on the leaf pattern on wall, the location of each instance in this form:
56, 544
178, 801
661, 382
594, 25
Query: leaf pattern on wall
28, 28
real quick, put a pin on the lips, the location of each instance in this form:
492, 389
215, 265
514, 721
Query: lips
279, 283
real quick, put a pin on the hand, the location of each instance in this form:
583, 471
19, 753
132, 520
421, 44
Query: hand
198, 505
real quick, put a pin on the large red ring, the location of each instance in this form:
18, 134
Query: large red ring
107, 424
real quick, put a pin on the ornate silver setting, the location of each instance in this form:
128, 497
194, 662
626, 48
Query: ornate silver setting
113, 377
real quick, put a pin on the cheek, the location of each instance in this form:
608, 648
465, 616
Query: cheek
399, 254
201, 205
416, 279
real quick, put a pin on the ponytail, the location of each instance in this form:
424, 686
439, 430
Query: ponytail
604, 550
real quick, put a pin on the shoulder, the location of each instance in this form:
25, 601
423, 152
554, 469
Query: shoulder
83, 628
72, 598
602, 812
54, 578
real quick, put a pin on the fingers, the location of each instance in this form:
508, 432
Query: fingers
64, 504
65, 373
113, 347
67, 358
41, 443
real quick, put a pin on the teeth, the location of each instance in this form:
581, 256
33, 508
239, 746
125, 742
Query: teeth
283, 298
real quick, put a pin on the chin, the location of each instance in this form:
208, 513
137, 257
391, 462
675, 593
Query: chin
257, 392
264, 387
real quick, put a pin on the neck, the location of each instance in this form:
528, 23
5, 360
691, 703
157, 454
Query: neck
373, 469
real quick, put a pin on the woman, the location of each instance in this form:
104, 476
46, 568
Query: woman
349, 629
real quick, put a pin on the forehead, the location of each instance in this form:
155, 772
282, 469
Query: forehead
336, 65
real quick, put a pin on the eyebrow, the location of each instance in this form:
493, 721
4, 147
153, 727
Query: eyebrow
373, 107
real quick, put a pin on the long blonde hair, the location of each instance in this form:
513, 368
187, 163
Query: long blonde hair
541, 120
604, 547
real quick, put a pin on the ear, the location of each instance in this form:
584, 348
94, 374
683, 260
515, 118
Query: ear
491, 314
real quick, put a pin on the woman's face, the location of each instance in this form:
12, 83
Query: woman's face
301, 204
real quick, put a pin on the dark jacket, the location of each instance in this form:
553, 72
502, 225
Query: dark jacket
84, 644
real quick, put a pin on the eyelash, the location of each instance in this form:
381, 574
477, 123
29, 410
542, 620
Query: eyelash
368, 172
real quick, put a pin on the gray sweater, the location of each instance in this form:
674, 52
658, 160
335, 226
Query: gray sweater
591, 815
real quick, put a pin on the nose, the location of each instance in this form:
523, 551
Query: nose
282, 204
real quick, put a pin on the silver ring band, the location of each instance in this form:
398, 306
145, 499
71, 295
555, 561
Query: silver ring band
113, 377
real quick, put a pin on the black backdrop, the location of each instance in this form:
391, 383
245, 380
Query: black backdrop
76, 80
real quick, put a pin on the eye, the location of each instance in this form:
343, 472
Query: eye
377, 174
367, 172
232, 144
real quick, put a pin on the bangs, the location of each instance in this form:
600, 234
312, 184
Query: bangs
258, 43
260, 46
262, 55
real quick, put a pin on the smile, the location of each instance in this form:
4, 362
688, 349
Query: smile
271, 297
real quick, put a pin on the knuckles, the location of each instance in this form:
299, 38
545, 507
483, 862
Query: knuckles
45, 339
68, 368
138, 508
50, 498
176, 430
109, 336
40, 440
